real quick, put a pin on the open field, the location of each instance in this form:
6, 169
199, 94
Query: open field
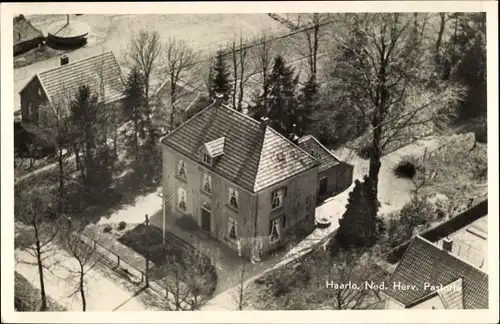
204, 32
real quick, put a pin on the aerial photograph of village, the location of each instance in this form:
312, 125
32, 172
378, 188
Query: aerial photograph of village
265, 161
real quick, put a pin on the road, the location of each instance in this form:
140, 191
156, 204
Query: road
102, 292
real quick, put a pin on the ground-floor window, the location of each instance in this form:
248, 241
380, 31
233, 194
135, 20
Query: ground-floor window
181, 199
232, 232
275, 231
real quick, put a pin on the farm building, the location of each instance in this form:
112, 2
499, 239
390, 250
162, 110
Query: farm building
335, 175
26, 36
101, 73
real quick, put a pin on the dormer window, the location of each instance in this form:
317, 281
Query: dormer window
211, 151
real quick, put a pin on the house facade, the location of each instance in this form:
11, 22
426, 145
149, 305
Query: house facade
101, 73
239, 180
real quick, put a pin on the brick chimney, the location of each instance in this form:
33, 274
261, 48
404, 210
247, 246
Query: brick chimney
263, 123
293, 136
448, 244
218, 99
64, 59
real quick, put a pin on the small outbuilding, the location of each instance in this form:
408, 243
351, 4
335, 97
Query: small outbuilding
335, 175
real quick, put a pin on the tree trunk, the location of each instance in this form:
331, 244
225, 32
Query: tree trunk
61, 174
235, 76
136, 140
441, 31
82, 290
43, 307
315, 47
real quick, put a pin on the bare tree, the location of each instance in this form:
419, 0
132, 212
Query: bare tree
315, 21
443, 19
323, 280
35, 209
55, 118
343, 279
388, 78
144, 54
179, 60
175, 283
83, 252
242, 293
264, 60
240, 60
234, 61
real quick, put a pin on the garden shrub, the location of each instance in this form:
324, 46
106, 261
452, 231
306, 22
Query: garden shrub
122, 225
107, 229
415, 215
187, 222
407, 167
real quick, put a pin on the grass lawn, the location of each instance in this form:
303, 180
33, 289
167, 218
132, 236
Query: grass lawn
458, 172
148, 241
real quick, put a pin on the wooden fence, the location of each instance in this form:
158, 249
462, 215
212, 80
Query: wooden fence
117, 263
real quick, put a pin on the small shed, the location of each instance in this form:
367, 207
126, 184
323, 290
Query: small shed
335, 175
26, 36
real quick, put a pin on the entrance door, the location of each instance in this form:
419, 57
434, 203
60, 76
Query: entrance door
205, 219
323, 186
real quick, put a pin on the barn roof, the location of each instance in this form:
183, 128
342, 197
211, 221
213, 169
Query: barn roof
101, 73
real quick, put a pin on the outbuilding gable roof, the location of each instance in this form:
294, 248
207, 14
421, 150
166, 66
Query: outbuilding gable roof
101, 73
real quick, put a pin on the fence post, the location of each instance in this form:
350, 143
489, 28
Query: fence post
118, 260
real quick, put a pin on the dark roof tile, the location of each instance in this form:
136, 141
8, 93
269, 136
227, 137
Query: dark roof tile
424, 262
250, 156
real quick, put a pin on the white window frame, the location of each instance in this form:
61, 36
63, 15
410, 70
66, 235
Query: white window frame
206, 177
277, 198
181, 193
181, 165
275, 226
231, 222
233, 193
206, 158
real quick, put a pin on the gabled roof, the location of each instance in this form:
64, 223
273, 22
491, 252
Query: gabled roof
216, 147
250, 152
424, 262
452, 295
101, 73
312, 146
